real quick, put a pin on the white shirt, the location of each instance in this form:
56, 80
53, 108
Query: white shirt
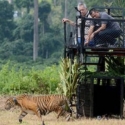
87, 25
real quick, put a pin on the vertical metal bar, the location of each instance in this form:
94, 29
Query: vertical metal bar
91, 97
121, 97
109, 11
64, 39
78, 99
123, 28
82, 33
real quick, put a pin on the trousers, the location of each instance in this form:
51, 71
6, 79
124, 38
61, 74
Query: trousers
107, 35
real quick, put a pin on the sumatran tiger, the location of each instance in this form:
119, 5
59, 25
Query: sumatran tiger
40, 105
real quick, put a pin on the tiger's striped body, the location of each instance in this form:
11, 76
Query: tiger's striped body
39, 105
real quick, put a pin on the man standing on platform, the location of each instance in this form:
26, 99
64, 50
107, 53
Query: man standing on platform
84, 13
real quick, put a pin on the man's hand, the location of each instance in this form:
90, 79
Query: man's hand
69, 21
86, 43
65, 20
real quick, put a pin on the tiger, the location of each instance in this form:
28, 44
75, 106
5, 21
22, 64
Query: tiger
40, 105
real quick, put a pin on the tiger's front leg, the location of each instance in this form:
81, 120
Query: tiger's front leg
22, 114
38, 113
59, 111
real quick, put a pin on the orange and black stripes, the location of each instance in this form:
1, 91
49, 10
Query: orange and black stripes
39, 105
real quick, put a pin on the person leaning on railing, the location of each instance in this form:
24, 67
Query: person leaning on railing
84, 13
103, 31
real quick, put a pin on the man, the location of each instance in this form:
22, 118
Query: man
84, 13
103, 31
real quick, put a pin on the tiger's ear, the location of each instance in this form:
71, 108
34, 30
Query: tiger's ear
15, 100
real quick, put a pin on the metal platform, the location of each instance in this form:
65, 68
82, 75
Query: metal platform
108, 56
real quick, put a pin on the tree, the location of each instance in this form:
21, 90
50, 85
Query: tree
48, 45
6, 20
44, 10
24, 28
24, 4
35, 43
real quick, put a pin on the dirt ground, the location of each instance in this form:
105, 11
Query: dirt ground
11, 118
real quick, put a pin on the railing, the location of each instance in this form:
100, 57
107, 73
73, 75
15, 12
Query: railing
74, 39
115, 40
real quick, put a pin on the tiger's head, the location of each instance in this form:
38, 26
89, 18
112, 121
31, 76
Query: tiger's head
10, 103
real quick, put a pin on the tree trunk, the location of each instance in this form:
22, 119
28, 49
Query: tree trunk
65, 8
35, 43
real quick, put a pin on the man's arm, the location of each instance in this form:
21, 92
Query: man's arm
91, 29
69, 21
103, 23
103, 26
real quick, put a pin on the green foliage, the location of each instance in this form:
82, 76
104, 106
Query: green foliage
16, 33
43, 13
120, 3
6, 21
15, 79
48, 45
24, 4
68, 77
20, 46
96, 3
24, 28
115, 66
44, 10
51, 77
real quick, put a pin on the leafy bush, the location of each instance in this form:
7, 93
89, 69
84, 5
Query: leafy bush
68, 77
19, 79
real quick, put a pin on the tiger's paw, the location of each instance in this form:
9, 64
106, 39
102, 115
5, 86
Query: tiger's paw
20, 120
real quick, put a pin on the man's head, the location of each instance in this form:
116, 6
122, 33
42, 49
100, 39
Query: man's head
83, 9
94, 13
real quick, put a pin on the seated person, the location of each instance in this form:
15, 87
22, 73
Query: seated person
103, 31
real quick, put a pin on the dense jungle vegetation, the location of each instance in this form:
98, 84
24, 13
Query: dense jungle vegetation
18, 72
